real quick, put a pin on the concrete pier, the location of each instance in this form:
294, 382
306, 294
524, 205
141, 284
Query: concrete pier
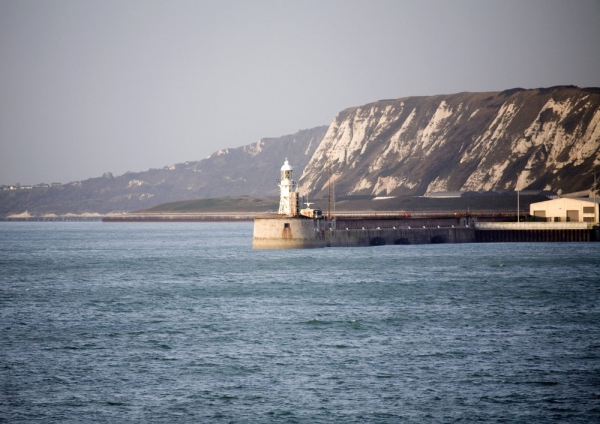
508, 236
280, 232
286, 232
375, 237
178, 217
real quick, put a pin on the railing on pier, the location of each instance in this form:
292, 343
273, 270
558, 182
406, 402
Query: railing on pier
426, 214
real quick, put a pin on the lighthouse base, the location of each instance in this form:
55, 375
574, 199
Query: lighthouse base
285, 232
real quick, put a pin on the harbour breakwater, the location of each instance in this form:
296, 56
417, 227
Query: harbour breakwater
52, 218
137, 217
277, 232
178, 217
490, 232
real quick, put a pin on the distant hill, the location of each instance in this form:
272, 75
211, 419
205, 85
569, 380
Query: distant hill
251, 170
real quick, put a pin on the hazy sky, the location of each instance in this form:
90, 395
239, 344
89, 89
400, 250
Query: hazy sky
88, 87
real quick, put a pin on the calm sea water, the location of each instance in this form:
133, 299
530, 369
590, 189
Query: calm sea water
186, 323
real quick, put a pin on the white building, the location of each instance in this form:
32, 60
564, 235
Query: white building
289, 202
567, 210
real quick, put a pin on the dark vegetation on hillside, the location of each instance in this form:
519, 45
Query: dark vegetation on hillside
412, 204
222, 204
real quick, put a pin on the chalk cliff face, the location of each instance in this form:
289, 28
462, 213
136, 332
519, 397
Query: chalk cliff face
527, 139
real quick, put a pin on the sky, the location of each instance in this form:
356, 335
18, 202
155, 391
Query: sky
88, 87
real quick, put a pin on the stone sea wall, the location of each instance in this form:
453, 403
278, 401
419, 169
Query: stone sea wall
276, 232
280, 232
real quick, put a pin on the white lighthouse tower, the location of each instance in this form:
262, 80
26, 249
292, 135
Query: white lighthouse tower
288, 200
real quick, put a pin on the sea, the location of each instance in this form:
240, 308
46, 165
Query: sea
184, 322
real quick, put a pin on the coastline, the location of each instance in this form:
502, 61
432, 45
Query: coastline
179, 217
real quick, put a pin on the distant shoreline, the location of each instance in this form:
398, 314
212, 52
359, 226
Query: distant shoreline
179, 217
246, 208
136, 217
59, 218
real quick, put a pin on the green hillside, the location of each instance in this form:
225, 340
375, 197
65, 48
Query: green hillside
354, 204
220, 204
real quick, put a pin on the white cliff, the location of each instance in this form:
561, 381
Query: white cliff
546, 138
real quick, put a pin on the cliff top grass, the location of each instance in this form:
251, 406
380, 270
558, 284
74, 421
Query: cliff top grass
429, 204
219, 204
353, 204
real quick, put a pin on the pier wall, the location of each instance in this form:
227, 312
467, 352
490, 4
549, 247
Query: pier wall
280, 232
398, 222
286, 233
535, 232
509, 236
374, 237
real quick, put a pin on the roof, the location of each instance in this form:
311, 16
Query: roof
569, 199
589, 199
286, 166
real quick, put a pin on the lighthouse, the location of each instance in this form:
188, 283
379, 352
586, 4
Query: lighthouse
288, 200
291, 228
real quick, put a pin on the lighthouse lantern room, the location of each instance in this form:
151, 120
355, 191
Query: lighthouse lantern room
289, 199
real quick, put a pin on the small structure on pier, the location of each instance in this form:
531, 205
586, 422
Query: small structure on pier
566, 210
